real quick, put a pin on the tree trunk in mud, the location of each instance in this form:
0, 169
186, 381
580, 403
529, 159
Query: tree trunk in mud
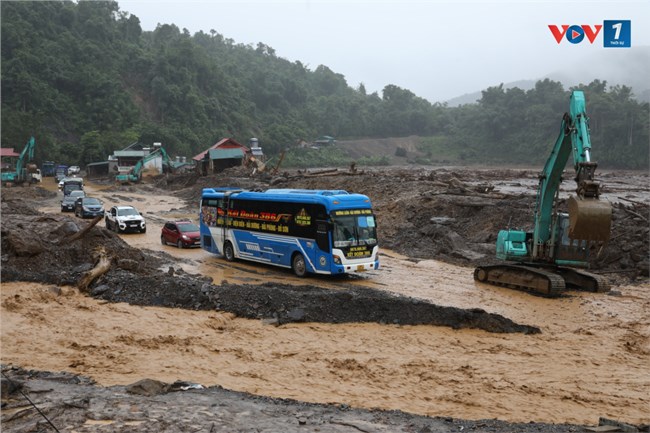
102, 266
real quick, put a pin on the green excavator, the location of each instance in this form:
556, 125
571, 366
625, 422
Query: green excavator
23, 170
553, 257
135, 174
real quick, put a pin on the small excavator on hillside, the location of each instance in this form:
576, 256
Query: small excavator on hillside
23, 170
135, 174
546, 259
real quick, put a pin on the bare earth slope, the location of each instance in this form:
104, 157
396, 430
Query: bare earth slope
385, 147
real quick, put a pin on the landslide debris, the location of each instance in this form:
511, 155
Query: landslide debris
422, 214
34, 250
454, 215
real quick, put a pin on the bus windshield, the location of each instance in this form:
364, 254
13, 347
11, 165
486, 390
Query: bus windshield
354, 230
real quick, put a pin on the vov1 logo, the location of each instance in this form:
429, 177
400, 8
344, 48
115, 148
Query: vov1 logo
575, 34
616, 33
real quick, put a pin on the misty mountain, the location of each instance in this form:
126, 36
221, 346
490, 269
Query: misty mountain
628, 67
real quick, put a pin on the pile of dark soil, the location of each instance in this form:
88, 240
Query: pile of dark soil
35, 247
278, 303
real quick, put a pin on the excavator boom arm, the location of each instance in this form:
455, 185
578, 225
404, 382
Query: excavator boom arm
134, 174
26, 155
580, 141
549, 184
590, 219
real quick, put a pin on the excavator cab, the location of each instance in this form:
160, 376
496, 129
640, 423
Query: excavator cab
569, 251
512, 245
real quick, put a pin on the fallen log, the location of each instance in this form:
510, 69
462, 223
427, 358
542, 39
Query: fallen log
336, 173
634, 201
318, 172
631, 212
102, 266
489, 195
81, 232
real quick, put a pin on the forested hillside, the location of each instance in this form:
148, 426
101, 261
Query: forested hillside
85, 80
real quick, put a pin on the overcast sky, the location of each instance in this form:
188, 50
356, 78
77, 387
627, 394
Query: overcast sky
436, 49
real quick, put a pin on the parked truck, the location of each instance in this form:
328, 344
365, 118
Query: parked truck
72, 184
48, 168
61, 172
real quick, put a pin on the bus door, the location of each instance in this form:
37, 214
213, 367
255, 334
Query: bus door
231, 230
214, 217
323, 252
225, 220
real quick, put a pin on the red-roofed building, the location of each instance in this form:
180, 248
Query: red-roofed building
7, 153
221, 155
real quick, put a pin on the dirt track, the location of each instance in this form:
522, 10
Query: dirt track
588, 361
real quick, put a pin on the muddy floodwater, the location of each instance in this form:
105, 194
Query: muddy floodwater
590, 360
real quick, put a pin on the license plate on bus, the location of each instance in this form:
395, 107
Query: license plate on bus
361, 268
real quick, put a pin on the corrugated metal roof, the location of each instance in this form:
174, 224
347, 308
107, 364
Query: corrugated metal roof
223, 142
136, 145
129, 153
178, 164
8, 152
231, 153
93, 164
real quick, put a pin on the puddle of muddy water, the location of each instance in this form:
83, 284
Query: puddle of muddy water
613, 190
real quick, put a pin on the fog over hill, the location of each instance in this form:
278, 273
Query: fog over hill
631, 67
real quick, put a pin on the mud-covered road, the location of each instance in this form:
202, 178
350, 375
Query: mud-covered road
418, 335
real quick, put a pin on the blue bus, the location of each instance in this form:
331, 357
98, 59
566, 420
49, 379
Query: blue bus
308, 231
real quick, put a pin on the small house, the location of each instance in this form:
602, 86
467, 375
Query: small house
221, 155
122, 161
8, 157
324, 140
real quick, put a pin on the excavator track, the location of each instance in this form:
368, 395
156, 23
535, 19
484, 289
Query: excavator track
578, 279
527, 278
547, 281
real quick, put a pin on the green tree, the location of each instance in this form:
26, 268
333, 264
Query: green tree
84, 79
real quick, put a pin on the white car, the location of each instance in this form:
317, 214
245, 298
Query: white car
125, 219
74, 169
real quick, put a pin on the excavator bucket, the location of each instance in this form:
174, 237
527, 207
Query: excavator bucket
589, 219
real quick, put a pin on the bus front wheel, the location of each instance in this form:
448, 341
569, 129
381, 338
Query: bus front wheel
298, 265
228, 251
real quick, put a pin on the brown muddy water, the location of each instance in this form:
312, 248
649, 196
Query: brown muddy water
590, 360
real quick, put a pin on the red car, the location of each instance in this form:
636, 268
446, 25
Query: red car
183, 234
